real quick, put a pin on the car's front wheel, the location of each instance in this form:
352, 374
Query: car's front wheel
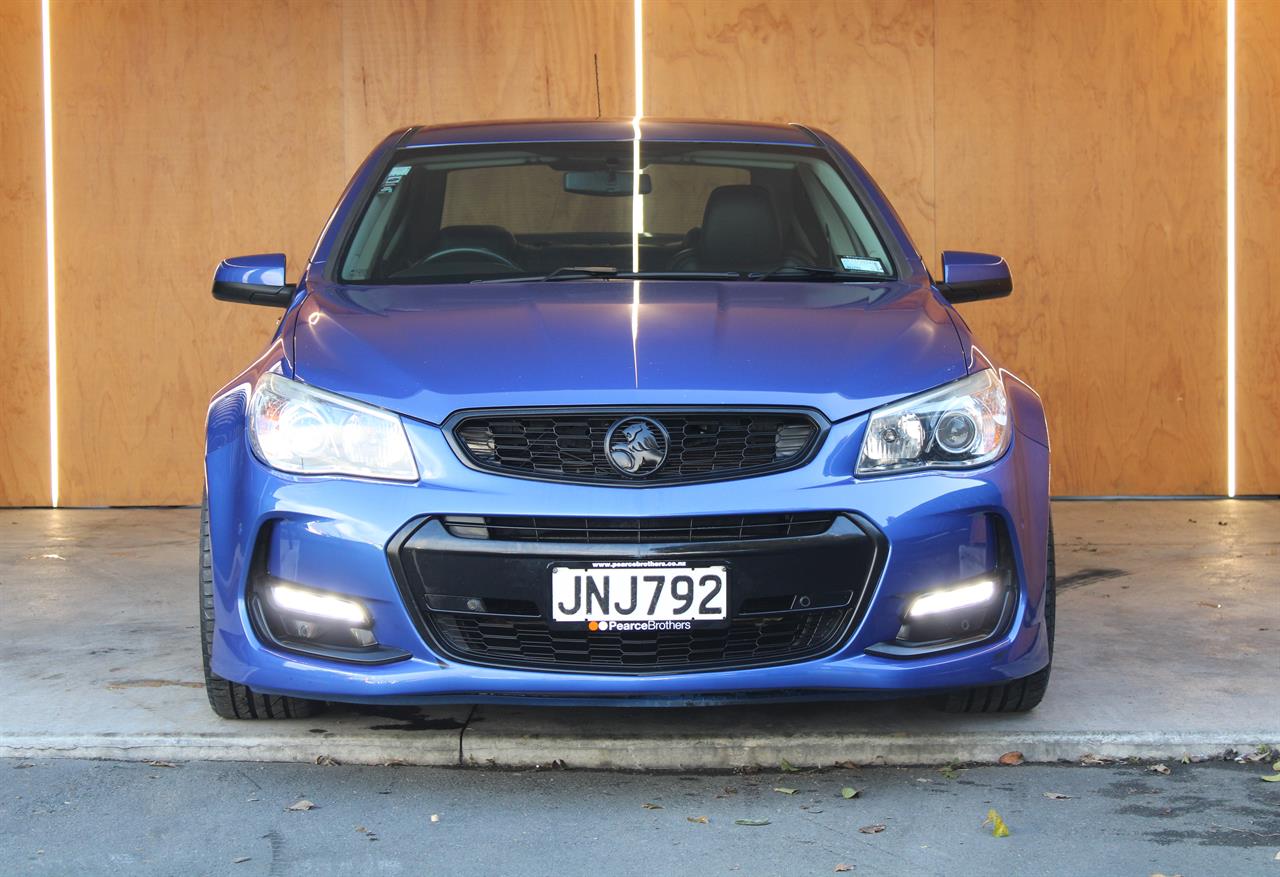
231, 700
1023, 694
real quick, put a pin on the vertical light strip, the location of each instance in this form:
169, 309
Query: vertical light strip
637, 206
1231, 247
50, 296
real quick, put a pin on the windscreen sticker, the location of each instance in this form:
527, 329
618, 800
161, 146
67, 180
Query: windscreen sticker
393, 179
861, 263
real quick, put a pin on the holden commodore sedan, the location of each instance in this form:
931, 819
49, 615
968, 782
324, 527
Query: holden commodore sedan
665, 413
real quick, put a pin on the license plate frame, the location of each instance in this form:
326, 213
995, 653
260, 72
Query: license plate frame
655, 605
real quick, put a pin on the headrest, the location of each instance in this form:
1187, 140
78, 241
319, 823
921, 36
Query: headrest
739, 230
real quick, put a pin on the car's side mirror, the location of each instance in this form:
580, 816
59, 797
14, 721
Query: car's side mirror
973, 277
255, 280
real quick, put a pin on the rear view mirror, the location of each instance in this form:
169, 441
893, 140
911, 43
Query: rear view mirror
255, 280
973, 277
608, 183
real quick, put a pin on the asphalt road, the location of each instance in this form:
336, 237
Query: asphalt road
60, 816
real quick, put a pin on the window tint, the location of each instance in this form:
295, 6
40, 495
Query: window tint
458, 214
527, 199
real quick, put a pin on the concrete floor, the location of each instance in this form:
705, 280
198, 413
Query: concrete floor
1168, 644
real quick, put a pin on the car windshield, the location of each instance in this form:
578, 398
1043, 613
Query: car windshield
505, 212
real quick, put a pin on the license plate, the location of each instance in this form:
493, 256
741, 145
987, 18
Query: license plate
627, 596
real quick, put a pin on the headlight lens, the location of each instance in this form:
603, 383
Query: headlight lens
299, 429
960, 425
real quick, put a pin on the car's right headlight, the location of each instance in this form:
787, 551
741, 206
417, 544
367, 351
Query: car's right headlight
299, 429
957, 426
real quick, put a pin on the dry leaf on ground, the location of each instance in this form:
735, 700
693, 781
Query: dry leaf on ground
301, 804
842, 867
783, 790
998, 826
872, 829
1162, 769
648, 806
700, 820
1011, 758
1056, 796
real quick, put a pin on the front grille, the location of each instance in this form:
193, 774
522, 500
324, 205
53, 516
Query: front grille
479, 587
701, 446
745, 641
639, 531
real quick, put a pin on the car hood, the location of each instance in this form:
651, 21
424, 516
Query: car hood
428, 351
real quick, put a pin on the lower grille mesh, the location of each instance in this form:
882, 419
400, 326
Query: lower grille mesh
532, 643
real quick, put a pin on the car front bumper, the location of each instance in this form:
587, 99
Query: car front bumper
334, 534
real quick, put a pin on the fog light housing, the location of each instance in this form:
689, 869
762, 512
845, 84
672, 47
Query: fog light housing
314, 621
953, 617
319, 623
958, 613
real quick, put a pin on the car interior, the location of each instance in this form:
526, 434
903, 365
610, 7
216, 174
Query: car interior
486, 215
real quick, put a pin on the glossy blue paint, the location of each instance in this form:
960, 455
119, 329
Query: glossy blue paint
261, 270
963, 267
426, 352
429, 351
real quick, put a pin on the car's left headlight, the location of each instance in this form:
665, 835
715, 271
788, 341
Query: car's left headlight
299, 429
957, 426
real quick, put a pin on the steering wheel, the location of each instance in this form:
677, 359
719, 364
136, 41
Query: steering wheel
487, 255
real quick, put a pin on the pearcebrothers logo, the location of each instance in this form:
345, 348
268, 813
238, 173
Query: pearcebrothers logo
621, 626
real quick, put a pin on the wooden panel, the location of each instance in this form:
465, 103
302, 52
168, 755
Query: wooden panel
1258, 242
439, 61
24, 399
1084, 143
185, 132
861, 70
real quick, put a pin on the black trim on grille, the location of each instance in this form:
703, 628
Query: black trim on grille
640, 531
567, 444
793, 598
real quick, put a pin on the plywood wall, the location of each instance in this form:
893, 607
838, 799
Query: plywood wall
232, 133
1084, 141
1089, 150
24, 409
1258, 220
420, 61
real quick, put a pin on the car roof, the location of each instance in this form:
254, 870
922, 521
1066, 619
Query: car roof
557, 130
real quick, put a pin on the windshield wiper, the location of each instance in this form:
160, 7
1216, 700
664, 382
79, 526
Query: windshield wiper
604, 272
815, 272
573, 272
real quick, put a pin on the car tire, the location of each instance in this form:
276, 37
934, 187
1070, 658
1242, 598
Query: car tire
231, 700
1020, 695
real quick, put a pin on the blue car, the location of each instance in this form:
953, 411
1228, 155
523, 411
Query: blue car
615, 412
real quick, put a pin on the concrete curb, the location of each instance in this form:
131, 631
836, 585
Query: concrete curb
436, 750
637, 753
